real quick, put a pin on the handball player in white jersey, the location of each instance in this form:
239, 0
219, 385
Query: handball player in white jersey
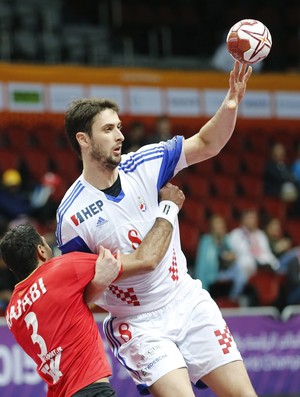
163, 327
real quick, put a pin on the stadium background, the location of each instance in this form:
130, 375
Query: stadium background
157, 54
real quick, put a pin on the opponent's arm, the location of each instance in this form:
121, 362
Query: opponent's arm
213, 136
107, 269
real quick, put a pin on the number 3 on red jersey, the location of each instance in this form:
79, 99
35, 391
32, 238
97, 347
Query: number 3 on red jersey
50, 361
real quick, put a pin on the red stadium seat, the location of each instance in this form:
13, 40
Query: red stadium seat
267, 284
66, 164
189, 240
224, 186
19, 137
254, 164
198, 187
236, 143
274, 207
50, 138
292, 227
179, 180
193, 211
36, 162
251, 187
228, 164
205, 168
8, 159
221, 207
226, 303
259, 142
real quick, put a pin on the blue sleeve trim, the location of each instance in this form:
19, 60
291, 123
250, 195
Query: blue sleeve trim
76, 244
172, 152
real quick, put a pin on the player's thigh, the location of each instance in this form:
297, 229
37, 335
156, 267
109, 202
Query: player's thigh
230, 380
174, 384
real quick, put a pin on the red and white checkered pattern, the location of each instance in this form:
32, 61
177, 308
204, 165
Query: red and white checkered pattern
127, 295
224, 338
173, 269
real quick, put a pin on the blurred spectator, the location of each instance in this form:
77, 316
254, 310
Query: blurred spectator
40, 202
281, 244
251, 245
134, 138
162, 130
14, 201
216, 261
279, 180
46, 197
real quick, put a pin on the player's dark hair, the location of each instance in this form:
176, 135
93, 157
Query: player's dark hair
80, 117
18, 249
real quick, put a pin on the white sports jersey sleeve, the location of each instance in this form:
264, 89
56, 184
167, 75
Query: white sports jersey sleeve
88, 218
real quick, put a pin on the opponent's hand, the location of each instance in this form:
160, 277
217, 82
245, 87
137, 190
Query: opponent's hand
238, 79
107, 267
172, 193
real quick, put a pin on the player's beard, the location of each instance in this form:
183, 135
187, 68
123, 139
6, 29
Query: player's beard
107, 161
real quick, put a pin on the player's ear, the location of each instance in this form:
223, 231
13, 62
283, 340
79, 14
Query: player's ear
41, 251
82, 138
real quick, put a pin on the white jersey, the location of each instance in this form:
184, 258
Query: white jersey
88, 218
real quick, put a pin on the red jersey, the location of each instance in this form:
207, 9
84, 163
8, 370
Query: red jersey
52, 323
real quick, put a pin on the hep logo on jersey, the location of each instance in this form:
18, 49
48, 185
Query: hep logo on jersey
87, 212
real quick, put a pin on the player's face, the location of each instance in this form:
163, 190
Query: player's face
106, 140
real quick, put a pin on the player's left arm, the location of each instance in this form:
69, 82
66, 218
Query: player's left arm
214, 135
150, 252
142, 260
156, 243
147, 256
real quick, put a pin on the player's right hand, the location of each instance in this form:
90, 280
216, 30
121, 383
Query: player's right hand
172, 193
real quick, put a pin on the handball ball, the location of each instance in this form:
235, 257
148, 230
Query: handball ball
249, 41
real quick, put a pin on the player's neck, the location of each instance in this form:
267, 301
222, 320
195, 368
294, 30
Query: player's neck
100, 179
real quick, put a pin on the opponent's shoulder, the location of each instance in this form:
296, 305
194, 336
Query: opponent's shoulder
69, 263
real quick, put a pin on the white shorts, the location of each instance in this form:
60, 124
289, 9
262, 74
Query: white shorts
189, 332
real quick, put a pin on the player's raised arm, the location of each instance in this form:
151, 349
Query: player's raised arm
213, 136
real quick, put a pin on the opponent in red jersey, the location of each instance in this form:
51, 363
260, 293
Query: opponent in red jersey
48, 315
